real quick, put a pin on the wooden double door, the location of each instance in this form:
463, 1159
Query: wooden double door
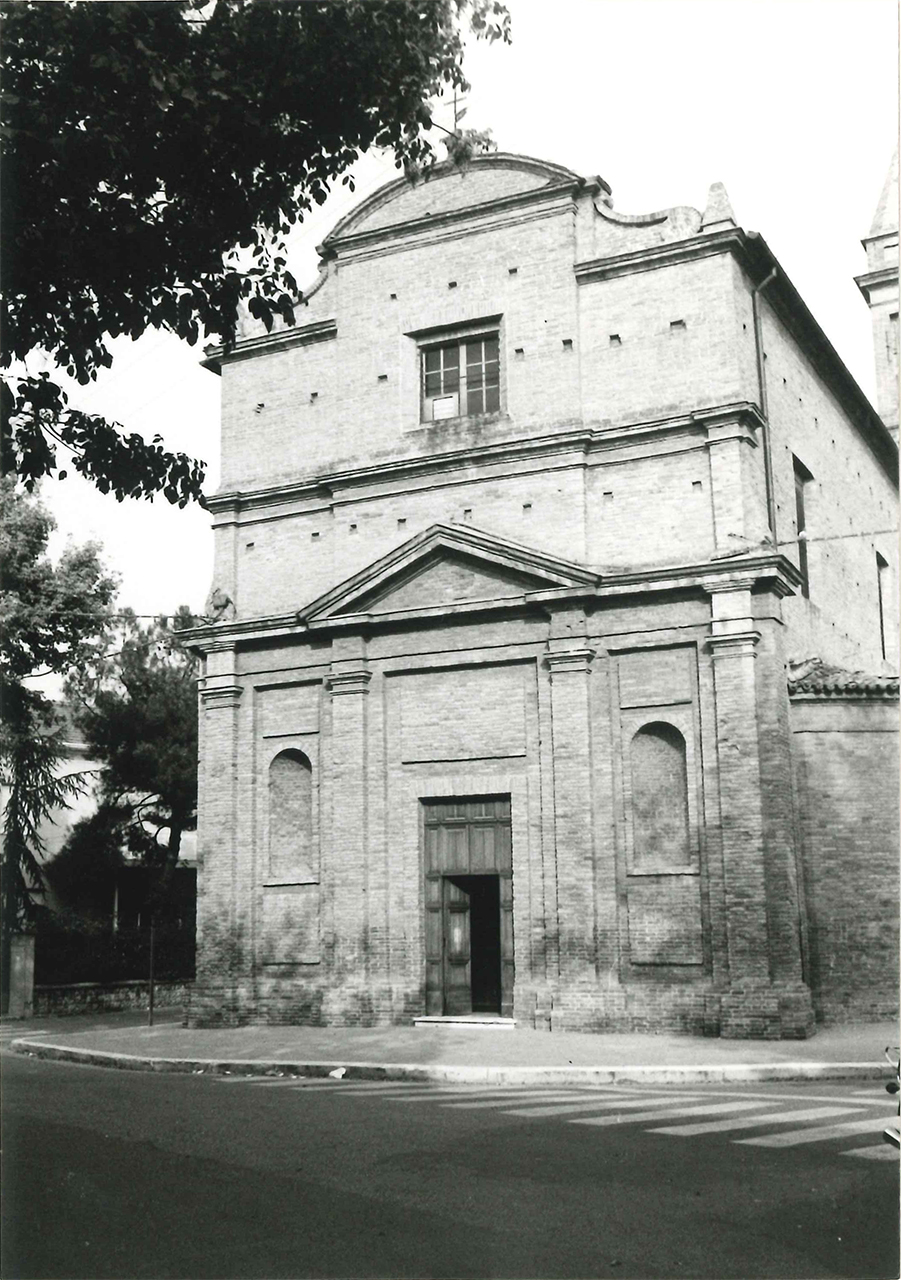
469, 906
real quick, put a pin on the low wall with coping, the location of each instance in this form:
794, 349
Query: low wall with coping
97, 997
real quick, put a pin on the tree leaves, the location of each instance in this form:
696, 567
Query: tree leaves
137, 709
144, 142
36, 417
53, 618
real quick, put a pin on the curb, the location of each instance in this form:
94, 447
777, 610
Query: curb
714, 1074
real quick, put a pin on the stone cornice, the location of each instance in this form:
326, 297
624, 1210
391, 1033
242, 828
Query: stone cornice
652, 258
769, 570
579, 439
872, 279
282, 340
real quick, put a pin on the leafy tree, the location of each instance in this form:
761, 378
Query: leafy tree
137, 709
52, 618
153, 158
82, 875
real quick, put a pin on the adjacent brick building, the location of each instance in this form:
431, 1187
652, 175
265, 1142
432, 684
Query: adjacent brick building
524, 528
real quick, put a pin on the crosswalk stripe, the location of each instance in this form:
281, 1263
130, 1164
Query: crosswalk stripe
499, 1099
501, 1090
469, 1091
660, 1105
822, 1133
639, 1117
753, 1122
386, 1090
882, 1152
292, 1082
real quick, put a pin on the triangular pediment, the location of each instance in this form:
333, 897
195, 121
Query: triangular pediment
446, 566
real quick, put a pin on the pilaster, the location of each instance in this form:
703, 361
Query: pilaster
737, 484
346, 872
224, 952
569, 662
766, 995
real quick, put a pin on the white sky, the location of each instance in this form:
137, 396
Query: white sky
791, 103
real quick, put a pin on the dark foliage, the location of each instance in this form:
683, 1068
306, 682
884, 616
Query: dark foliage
71, 949
137, 710
153, 158
52, 618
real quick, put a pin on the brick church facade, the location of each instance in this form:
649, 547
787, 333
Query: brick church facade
551, 673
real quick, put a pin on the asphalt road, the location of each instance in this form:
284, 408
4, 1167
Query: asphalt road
121, 1174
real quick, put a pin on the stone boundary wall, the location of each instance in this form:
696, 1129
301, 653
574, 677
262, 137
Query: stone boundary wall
96, 997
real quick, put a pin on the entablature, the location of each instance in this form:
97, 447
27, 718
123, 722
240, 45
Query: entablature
527, 581
577, 445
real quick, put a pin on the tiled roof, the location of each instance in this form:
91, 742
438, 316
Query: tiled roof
823, 680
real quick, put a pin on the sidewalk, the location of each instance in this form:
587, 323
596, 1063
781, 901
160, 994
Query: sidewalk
452, 1053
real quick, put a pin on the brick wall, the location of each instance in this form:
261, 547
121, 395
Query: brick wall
846, 763
677, 342
628, 439
851, 507
543, 710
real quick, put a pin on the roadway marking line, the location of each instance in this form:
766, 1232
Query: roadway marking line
883, 1152
752, 1122
571, 1108
388, 1086
402, 1092
795, 1137
707, 1109
474, 1089
280, 1082
465, 1090
499, 1099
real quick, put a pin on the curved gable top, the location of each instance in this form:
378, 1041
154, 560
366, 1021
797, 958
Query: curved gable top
448, 190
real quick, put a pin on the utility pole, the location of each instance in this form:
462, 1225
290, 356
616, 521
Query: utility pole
151, 992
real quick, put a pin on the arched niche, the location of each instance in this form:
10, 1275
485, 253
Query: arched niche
290, 814
660, 815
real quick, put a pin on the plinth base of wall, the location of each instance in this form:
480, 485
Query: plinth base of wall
767, 1012
630, 1010
763, 1012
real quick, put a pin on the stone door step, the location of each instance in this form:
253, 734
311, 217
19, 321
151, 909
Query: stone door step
488, 1021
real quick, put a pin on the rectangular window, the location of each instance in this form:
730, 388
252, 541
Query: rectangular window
461, 378
802, 479
882, 594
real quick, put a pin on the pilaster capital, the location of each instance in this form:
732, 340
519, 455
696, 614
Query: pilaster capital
342, 682
742, 427
734, 644
220, 695
225, 644
569, 660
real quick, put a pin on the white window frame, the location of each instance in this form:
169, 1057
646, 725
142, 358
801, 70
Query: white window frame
452, 405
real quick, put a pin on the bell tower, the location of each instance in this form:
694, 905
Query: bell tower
879, 285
